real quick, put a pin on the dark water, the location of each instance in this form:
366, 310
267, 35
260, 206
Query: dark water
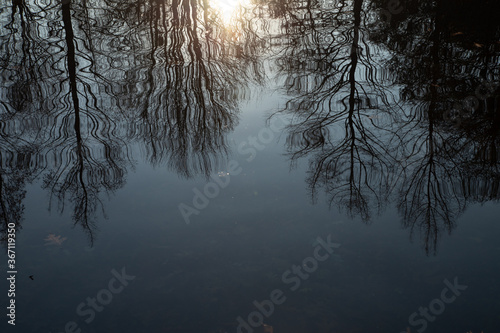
194, 166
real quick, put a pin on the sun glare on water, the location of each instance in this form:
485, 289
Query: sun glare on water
228, 8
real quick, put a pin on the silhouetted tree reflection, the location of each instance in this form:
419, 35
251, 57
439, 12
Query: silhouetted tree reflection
338, 106
192, 73
370, 148
87, 169
73, 141
81, 80
441, 67
19, 90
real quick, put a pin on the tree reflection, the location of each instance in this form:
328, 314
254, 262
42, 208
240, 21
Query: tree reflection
18, 151
71, 138
440, 73
192, 73
82, 80
90, 166
340, 106
417, 148
382, 107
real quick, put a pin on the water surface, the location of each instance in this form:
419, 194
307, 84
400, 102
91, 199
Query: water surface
172, 166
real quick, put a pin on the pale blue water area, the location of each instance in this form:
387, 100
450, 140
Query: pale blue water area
204, 275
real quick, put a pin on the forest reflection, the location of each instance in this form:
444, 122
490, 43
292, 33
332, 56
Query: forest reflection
401, 109
82, 80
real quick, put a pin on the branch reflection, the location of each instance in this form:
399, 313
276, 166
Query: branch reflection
82, 81
369, 146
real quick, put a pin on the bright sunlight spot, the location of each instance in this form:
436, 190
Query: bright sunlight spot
228, 8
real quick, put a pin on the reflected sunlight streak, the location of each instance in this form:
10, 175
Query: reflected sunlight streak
228, 8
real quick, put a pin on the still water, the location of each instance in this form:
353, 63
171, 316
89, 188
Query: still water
250, 166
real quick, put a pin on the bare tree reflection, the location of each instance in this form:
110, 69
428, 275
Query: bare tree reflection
82, 80
340, 108
87, 169
194, 69
443, 146
55, 118
367, 150
18, 151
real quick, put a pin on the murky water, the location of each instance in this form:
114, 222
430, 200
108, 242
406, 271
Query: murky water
250, 166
